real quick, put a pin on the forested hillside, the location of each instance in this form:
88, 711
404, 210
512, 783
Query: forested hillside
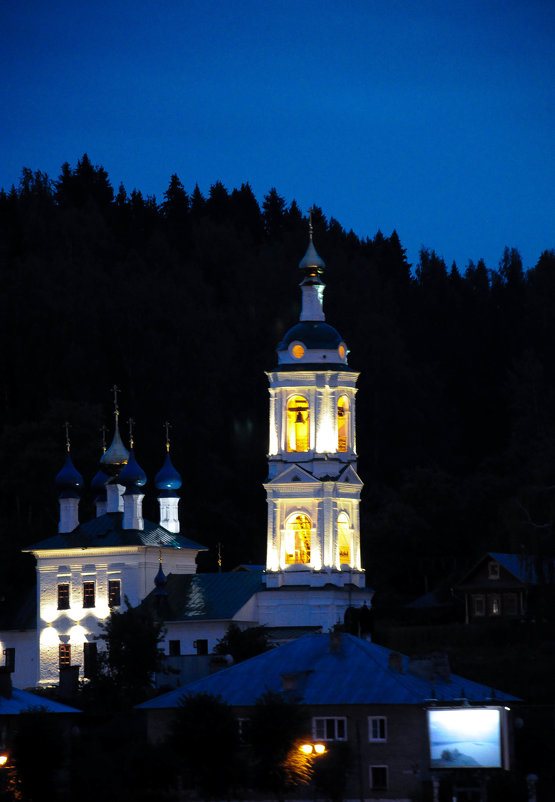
182, 302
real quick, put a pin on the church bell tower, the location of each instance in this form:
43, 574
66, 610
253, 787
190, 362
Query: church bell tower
313, 489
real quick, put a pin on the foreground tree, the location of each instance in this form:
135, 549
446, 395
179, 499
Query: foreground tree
242, 644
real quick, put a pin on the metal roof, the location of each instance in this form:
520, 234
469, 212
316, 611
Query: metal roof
202, 597
357, 672
106, 531
23, 701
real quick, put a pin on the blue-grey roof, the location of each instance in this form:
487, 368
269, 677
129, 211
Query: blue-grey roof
314, 334
519, 565
22, 701
357, 673
205, 597
106, 531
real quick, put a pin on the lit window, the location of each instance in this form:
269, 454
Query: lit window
493, 570
114, 593
378, 778
298, 530
377, 728
344, 535
64, 655
494, 603
329, 729
342, 423
297, 424
298, 351
88, 594
63, 596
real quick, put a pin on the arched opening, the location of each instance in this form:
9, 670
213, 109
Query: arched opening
298, 531
343, 423
297, 424
344, 537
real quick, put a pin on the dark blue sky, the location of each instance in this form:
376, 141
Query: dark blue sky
433, 118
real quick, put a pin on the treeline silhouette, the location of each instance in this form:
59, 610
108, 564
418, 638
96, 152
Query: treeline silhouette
182, 302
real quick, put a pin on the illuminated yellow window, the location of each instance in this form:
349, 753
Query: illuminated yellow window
297, 424
297, 539
344, 535
298, 351
342, 423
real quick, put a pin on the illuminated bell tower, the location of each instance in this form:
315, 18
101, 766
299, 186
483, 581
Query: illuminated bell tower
313, 489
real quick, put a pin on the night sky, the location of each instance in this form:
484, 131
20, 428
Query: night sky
436, 119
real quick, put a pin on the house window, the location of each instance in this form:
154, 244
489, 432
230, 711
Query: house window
378, 778
494, 604
297, 424
90, 662
298, 531
174, 648
478, 605
64, 655
329, 729
510, 604
88, 594
377, 728
63, 596
493, 570
344, 536
244, 730
343, 424
9, 659
201, 645
114, 593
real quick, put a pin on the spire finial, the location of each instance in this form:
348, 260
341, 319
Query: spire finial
67, 427
103, 429
167, 427
115, 390
131, 423
310, 226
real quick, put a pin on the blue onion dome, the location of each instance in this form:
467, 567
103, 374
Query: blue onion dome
99, 481
160, 582
69, 480
167, 477
132, 475
113, 460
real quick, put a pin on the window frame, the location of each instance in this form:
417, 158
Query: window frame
343, 412
320, 728
114, 589
478, 598
296, 534
89, 594
64, 655
90, 659
494, 570
173, 649
377, 786
9, 659
292, 407
381, 722
63, 600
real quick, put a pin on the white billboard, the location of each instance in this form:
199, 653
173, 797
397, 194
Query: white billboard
466, 737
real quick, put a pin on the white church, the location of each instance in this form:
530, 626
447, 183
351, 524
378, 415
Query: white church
313, 570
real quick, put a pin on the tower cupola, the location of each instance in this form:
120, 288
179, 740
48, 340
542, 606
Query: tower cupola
133, 478
167, 482
70, 483
112, 461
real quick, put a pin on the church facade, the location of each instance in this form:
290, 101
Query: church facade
313, 571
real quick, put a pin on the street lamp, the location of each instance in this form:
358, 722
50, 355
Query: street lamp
313, 749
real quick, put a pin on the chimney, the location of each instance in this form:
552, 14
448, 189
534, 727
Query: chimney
5, 682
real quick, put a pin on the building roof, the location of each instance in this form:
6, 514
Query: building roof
357, 672
205, 597
23, 701
521, 566
106, 531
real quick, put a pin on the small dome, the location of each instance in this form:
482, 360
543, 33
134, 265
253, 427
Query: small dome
167, 477
99, 481
116, 456
311, 259
160, 582
132, 475
69, 477
313, 334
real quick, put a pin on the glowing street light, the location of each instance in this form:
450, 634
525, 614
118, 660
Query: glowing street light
313, 749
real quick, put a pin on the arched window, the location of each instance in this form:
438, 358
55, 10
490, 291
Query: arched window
344, 537
298, 531
297, 424
342, 423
